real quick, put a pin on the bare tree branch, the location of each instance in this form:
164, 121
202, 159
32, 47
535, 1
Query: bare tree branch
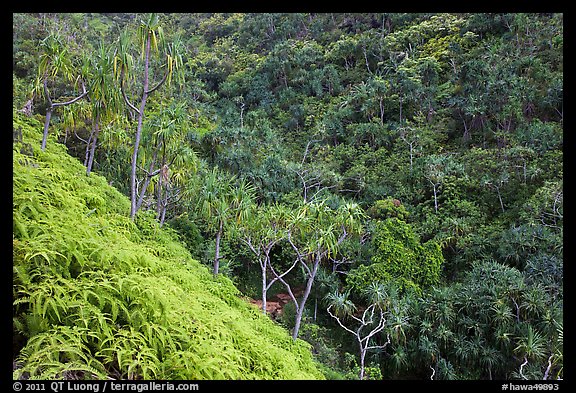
124, 93
159, 83
366, 320
548, 368
57, 104
522, 366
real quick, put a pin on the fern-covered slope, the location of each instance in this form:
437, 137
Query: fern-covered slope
99, 296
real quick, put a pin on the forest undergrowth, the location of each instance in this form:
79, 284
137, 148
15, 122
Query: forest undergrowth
99, 296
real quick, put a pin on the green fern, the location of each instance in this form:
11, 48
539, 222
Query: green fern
96, 295
50, 354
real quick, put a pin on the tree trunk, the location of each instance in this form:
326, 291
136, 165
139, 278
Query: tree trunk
381, 101
300, 311
435, 198
164, 208
217, 250
362, 357
466, 136
315, 308
163, 176
500, 199
264, 288
149, 176
411, 156
88, 146
46, 124
93, 140
134, 193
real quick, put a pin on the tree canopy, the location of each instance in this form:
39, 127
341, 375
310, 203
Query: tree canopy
391, 184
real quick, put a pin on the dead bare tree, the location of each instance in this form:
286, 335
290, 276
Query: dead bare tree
374, 316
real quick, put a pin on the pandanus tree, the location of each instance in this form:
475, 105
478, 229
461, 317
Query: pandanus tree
265, 229
170, 159
437, 168
366, 323
177, 160
315, 234
223, 203
57, 61
151, 38
104, 99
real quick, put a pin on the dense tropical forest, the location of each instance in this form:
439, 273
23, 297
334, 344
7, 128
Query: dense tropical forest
288, 196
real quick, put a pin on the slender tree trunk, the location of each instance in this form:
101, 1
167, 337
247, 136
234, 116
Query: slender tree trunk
435, 198
149, 176
93, 141
162, 177
315, 307
366, 59
300, 311
466, 136
362, 359
500, 199
381, 101
134, 193
264, 288
164, 206
46, 124
411, 156
217, 250
159, 201
88, 146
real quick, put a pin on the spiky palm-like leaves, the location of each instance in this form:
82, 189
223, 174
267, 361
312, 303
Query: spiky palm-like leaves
222, 203
56, 60
371, 321
104, 98
97, 295
151, 39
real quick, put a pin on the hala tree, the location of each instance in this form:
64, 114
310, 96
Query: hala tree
177, 160
265, 229
222, 203
172, 162
436, 168
494, 324
57, 60
151, 37
104, 99
367, 322
315, 234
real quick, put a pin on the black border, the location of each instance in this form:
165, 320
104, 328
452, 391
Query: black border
354, 7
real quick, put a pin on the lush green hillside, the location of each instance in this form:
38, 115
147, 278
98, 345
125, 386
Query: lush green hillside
393, 175
97, 295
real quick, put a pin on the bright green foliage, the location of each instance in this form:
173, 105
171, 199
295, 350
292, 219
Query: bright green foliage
388, 208
487, 325
445, 128
97, 295
399, 255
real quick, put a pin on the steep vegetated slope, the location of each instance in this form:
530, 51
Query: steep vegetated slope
97, 295
415, 158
